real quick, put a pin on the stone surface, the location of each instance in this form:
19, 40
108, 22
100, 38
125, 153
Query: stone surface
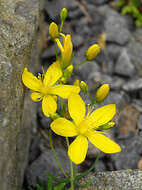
115, 180
18, 27
53, 7
131, 153
116, 28
134, 50
139, 122
46, 162
124, 65
137, 103
97, 78
120, 99
87, 69
97, 2
113, 51
133, 85
127, 122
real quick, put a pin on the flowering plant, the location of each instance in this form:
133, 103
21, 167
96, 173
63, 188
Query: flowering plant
84, 124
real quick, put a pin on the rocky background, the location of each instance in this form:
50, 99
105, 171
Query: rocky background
119, 64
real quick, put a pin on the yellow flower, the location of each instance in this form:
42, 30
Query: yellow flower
53, 30
66, 50
45, 88
84, 127
102, 92
92, 52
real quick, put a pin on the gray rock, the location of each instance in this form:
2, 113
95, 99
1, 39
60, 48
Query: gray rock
131, 153
100, 166
86, 70
82, 28
19, 21
124, 65
116, 28
115, 180
139, 122
77, 41
97, 2
117, 83
127, 122
53, 7
134, 50
133, 85
97, 78
46, 162
113, 51
137, 104
34, 150
117, 98
75, 13
49, 52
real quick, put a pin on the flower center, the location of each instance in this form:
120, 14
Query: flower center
83, 127
45, 90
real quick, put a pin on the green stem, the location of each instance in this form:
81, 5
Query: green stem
91, 99
75, 170
71, 168
89, 170
80, 64
54, 154
61, 26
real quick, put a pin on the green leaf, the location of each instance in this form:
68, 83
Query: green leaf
127, 9
87, 184
121, 3
138, 23
59, 186
38, 187
49, 185
136, 3
59, 180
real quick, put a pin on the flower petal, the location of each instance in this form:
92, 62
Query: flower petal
78, 149
30, 81
64, 90
53, 73
67, 53
76, 108
36, 96
63, 127
102, 115
103, 143
49, 105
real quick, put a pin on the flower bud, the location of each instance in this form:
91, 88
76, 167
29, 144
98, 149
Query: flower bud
92, 52
84, 87
53, 30
70, 69
63, 14
107, 126
55, 116
102, 93
76, 83
68, 72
